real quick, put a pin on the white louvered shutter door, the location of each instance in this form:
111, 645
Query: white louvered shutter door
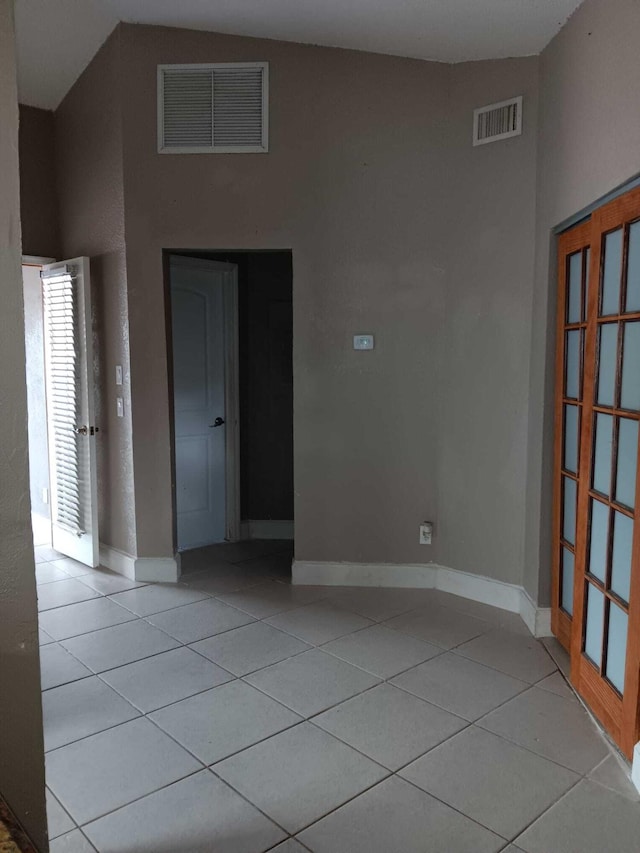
71, 428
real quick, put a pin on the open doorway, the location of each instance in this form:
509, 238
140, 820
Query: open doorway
36, 400
230, 337
60, 400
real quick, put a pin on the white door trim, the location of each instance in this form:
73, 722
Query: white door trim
231, 384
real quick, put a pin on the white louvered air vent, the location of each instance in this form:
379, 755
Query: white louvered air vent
497, 121
220, 108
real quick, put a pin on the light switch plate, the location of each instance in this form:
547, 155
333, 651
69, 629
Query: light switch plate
361, 342
120, 407
118, 374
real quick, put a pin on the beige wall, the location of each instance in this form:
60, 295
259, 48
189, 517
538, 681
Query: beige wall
397, 226
38, 192
354, 185
487, 319
91, 207
21, 744
589, 144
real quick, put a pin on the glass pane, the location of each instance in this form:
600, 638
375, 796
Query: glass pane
602, 454
574, 289
570, 462
595, 621
627, 462
631, 367
621, 559
633, 269
612, 272
599, 538
567, 581
617, 646
572, 381
607, 363
569, 511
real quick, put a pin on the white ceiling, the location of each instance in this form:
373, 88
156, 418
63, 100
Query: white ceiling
57, 38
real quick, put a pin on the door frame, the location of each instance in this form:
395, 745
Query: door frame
231, 386
38, 262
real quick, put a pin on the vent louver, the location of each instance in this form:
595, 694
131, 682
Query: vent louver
220, 108
497, 121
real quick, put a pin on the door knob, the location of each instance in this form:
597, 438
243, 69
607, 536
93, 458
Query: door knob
218, 422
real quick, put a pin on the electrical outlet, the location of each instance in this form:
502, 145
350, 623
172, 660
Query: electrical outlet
426, 531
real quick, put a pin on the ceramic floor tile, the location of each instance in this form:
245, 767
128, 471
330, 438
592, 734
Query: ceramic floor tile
390, 726
193, 622
395, 816
43, 638
117, 646
44, 554
250, 648
58, 667
61, 593
107, 583
48, 573
381, 651
272, 565
108, 770
495, 615
267, 599
311, 682
319, 623
519, 656
589, 819
238, 552
72, 568
555, 683
614, 775
439, 625
461, 686
490, 780
58, 821
299, 775
82, 708
229, 578
75, 619
551, 726
225, 720
290, 846
155, 598
196, 815
378, 603
559, 655
151, 683
73, 842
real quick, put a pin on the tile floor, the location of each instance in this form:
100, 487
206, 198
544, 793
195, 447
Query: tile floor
236, 713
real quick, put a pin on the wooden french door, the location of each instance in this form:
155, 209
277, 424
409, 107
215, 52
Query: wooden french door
596, 583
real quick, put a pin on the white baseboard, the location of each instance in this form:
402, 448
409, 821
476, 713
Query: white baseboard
266, 529
427, 576
537, 619
635, 767
147, 569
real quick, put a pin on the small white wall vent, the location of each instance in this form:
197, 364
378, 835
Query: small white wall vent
497, 121
217, 108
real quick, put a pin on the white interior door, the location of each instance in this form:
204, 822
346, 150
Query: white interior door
71, 428
200, 291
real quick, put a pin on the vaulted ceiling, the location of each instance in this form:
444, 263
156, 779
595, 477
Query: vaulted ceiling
58, 38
